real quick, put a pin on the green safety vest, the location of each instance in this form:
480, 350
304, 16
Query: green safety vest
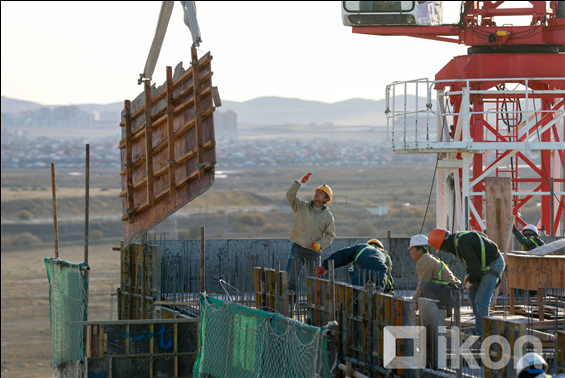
439, 281
484, 268
352, 265
533, 241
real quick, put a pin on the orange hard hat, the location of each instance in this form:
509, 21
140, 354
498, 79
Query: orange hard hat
377, 242
436, 238
327, 190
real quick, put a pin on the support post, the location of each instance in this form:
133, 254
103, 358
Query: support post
202, 262
129, 161
148, 142
197, 114
171, 133
86, 222
56, 228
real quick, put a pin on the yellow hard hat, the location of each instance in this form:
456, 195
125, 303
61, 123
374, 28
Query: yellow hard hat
327, 190
377, 242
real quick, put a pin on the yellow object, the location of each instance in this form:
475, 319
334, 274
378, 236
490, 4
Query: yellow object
316, 246
327, 190
502, 33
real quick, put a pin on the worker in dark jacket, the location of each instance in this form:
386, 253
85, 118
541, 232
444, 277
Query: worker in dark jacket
364, 256
484, 262
528, 237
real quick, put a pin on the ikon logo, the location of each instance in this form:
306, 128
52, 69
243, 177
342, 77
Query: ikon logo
418, 360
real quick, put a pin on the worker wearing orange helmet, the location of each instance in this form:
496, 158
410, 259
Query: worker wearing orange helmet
528, 237
484, 262
313, 228
370, 257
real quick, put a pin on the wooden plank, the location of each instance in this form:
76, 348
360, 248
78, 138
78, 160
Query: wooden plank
101, 341
129, 167
148, 143
185, 76
171, 132
498, 188
88, 341
197, 113
162, 117
284, 292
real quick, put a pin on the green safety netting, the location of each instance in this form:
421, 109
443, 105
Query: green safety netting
67, 300
239, 341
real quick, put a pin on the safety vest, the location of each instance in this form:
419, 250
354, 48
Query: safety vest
484, 268
439, 281
533, 241
387, 278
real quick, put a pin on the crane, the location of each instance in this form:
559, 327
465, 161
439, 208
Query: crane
500, 109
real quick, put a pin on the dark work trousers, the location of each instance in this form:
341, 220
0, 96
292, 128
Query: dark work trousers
438, 292
301, 256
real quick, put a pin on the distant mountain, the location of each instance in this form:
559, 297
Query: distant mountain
265, 110
12, 105
280, 110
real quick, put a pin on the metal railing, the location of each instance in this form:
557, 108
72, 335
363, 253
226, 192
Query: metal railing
405, 117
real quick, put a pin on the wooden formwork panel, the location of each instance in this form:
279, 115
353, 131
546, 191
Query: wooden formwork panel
362, 316
138, 281
166, 348
271, 290
510, 331
168, 150
560, 351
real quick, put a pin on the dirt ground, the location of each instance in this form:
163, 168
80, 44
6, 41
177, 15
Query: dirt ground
26, 334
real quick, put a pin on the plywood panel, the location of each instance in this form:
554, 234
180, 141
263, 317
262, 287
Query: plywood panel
499, 208
168, 150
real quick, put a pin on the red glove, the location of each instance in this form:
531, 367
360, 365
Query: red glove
305, 178
320, 271
316, 246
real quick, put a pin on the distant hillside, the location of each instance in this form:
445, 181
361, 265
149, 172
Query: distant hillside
265, 110
12, 105
280, 111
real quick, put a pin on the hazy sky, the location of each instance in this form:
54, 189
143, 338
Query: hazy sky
92, 52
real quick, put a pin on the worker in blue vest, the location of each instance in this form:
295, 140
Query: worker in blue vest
484, 262
368, 256
529, 237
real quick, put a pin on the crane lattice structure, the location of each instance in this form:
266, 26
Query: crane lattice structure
500, 109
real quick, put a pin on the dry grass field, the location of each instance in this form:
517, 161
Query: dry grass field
26, 335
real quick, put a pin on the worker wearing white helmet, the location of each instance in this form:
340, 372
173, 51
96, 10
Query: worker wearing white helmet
528, 237
531, 365
435, 280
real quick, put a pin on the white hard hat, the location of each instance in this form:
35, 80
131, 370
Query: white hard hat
418, 240
530, 361
531, 227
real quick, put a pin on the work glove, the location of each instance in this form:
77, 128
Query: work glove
469, 281
315, 246
305, 178
320, 271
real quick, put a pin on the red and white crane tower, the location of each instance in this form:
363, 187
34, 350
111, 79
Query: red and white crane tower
500, 109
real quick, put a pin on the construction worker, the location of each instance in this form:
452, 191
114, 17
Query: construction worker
368, 256
531, 365
435, 280
485, 265
313, 228
528, 237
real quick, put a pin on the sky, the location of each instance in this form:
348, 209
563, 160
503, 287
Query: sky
61, 53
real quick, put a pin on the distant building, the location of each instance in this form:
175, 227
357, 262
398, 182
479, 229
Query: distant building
225, 124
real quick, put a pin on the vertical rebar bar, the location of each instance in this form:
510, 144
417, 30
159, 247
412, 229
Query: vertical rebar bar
56, 228
202, 262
